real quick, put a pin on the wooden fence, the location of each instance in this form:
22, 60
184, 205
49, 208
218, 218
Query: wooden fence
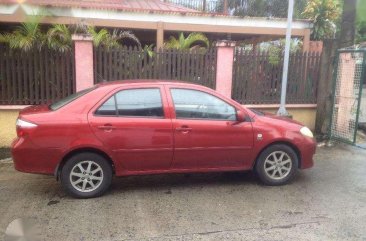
194, 66
43, 76
35, 77
257, 78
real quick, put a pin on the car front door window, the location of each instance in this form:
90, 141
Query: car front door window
194, 104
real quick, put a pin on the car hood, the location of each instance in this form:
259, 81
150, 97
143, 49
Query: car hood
274, 120
281, 118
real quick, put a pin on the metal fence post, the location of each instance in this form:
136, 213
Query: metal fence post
282, 110
362, 77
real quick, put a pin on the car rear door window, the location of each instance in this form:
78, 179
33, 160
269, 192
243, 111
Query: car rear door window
134, 102
108, 108
194, 104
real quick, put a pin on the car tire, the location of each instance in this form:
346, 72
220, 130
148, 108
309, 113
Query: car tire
86, 175
277, 165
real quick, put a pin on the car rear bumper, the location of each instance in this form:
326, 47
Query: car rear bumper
31, 159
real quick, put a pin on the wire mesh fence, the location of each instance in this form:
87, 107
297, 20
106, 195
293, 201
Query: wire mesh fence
212, 6
250, 8
347, 92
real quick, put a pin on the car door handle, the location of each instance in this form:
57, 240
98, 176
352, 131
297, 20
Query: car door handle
106, 127
184, 129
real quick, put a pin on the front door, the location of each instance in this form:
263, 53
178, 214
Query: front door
206, 133
133, 125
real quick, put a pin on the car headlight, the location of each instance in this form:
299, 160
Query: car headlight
306, 132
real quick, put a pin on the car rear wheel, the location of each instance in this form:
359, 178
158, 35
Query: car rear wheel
86, 175
277, 165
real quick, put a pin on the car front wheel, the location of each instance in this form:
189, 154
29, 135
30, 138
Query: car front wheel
86, 175
277, 165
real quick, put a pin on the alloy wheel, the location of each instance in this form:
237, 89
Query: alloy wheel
86, 176
278, 165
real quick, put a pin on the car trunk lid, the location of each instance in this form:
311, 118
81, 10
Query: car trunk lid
34, 109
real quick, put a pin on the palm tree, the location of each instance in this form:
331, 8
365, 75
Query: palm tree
26, 36
324, 14
59, 38
3, 38
120, 36
104, 38
149, 49
99, 37
193, 41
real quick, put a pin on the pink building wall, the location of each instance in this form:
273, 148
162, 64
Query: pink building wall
84, 72
316, 46
224, 69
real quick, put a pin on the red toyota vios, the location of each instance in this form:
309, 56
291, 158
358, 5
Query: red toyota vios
148, 127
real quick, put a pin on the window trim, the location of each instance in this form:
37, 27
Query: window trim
207, 119
130, 116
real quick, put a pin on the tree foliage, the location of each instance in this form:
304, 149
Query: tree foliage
361, 32
192, 41
111, 40
361, 10
26, 36
29, 35
149, 49
263, 8
59, 38
276, 49
324, 14
361, 21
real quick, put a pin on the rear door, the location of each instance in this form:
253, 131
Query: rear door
206, 133
134, 124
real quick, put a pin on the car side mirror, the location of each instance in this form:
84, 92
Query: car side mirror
240, 116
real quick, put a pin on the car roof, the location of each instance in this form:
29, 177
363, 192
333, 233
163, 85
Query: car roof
183, 84
148, 81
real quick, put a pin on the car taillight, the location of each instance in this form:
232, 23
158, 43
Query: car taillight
24, 127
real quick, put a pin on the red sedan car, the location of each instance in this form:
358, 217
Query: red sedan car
149, 127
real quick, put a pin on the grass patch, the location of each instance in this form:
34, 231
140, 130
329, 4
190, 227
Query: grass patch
4, 152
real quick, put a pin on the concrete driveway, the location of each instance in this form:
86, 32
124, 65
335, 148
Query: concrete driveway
327, 202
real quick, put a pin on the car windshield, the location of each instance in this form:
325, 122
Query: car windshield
58, 104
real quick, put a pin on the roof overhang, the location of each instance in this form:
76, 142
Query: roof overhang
143, 20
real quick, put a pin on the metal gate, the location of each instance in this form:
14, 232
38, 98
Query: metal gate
349, 75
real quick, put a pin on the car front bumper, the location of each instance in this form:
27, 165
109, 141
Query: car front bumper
307, 149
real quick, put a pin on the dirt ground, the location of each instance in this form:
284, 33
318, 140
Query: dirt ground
327, 202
